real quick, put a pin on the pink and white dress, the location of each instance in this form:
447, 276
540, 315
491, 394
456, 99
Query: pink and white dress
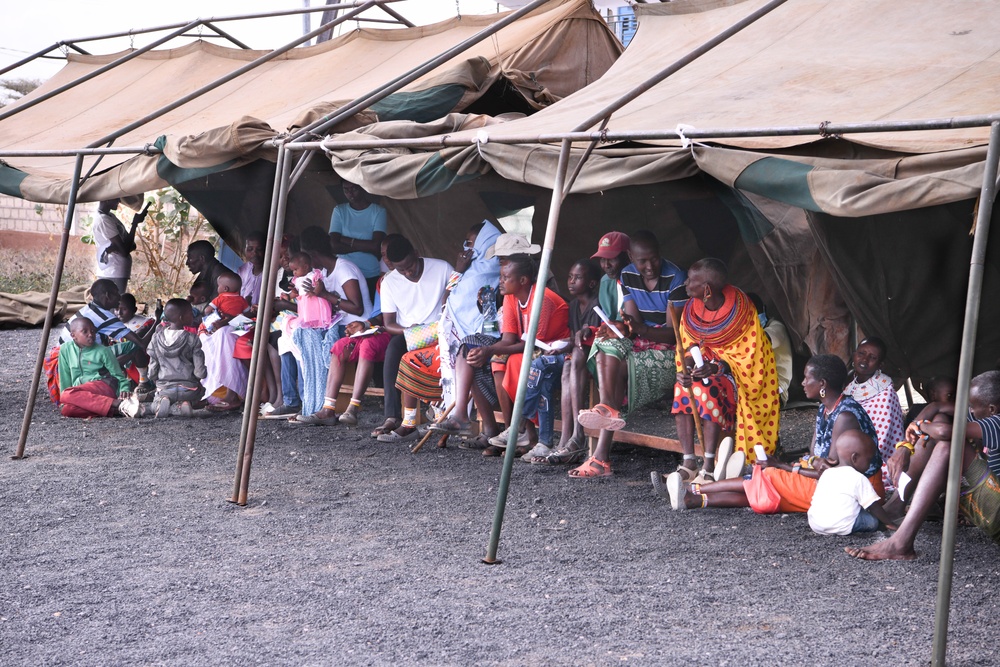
879, 399
314, 311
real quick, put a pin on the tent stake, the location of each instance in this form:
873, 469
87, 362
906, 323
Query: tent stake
29, 407
265, 302
976, 270
555, 206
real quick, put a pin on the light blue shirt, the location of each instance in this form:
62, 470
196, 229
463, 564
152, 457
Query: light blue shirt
361, 225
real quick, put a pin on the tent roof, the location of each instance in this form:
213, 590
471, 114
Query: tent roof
806, 62
288, 88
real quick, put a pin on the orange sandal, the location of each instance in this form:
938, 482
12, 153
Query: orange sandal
601, 417
591, 469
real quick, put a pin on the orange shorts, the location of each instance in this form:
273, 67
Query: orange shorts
796, 491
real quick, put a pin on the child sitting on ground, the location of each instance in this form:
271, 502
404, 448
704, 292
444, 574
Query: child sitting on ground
91, 380
228, 305
582, 284
845, 502
314, 311
176, 361
140, 325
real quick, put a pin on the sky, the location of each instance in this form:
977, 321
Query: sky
30, 26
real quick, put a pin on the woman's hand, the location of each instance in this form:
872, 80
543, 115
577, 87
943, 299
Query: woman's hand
479, 356
604, 332
583, 338
463, 261
897, 464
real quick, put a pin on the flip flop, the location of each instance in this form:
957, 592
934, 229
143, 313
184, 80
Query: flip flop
390, 424
591, 469
393, 437
451, 426
480, 442
222, 406
313, 420
565, 457
601, 417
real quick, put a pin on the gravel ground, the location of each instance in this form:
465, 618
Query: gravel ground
119, 548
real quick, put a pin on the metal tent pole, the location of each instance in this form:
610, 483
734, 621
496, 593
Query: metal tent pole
976, 270
555, 206
29, 407
232, 75
97, 72
264, 316
265, 301
361, 103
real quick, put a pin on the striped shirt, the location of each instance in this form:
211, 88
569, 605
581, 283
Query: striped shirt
991, 441
652, 303
109, 327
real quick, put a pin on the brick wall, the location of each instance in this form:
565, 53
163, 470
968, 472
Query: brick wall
25, 216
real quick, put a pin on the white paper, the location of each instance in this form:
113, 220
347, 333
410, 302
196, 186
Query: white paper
366, 332
554, 346
699, 360
904, 481
240, 322
759, 451
604, 318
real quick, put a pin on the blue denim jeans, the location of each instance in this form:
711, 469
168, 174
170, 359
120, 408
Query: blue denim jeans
291, 381
543, 378
865, 523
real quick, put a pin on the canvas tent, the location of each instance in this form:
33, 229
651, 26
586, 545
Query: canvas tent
873, 225
538, 59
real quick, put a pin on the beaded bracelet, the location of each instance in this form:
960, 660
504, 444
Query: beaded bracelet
906, 445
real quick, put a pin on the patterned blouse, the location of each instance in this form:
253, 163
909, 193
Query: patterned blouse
824, 429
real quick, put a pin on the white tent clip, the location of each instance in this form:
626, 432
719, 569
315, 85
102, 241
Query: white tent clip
680, 130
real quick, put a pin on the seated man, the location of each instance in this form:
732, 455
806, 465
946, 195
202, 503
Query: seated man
91, 380
201, 261
641, 365
102, 311
980, 492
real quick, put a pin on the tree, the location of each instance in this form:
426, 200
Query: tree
12, 90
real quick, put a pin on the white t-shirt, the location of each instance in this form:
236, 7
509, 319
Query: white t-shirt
106, 227
344, 271
250, 290
416, 302
840, 494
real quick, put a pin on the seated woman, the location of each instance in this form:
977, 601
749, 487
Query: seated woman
517, 279
825, 376
873, 389
365, 351
344, 287
226, 382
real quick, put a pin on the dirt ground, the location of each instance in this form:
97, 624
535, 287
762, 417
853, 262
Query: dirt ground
119, 547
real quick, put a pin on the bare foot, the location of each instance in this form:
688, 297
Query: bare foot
886, 550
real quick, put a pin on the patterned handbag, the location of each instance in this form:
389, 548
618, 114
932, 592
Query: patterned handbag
420, 336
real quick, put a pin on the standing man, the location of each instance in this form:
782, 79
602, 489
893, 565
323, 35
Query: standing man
114, 244
356, 231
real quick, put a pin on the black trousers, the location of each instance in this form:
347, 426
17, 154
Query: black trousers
393, 354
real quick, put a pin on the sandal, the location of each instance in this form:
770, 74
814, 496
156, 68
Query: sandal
601, 417
565, 457
390, 424
480, 442
688, 475
452, 426
591, 469
393, 436
493, 450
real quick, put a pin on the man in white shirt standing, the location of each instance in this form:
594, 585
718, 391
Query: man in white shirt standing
114, 244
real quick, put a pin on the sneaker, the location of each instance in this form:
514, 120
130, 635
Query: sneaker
523, 439
130, 407
184, 409
161, 406
676, 491
540, 449
144, 391
722, 458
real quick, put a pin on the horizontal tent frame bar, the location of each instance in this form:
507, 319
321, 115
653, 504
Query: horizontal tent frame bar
71, 43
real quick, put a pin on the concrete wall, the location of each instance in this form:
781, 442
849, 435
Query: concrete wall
25, 216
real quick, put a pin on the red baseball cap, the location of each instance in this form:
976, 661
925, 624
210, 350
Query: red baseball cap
611, 245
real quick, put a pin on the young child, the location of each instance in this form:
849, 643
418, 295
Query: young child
198, 298
91, 380
314, 311
176, 361
582, 285
140, 325
845, 502
226, 306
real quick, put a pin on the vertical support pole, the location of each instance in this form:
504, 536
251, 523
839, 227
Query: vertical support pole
529, 347
977, 264
248, 428
29, 408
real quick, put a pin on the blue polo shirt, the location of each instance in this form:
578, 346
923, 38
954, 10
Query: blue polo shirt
652, 304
